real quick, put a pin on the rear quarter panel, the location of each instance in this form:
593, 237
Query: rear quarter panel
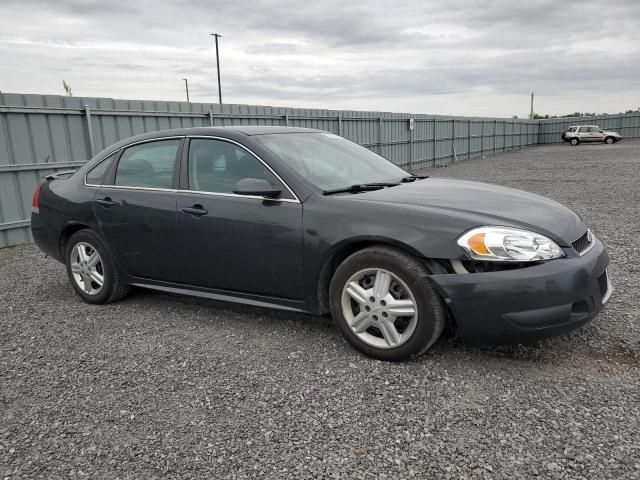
64, 203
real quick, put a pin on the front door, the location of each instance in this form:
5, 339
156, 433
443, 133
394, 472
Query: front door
136, 208
598, 135
590, 134
235, 242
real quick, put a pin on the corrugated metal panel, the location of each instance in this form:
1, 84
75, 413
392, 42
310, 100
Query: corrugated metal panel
40, 134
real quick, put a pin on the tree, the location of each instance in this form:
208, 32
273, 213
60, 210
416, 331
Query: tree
67, 89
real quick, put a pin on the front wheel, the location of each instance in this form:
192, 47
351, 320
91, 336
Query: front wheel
574, 141
92, 270
383, 305
608, 140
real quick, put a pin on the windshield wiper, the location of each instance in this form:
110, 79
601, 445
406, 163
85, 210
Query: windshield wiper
360, 187
413, 178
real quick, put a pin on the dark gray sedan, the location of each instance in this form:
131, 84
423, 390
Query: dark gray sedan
305, 220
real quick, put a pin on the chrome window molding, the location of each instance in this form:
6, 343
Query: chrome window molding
122, 148
295, 198
211, 137
198, 192
257, 197
123, 187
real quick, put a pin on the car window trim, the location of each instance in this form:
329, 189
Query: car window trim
114, 158
176, 162
183, 154
116, 161
198, 192
184, 172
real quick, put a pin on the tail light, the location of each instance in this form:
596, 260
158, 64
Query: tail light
36, 198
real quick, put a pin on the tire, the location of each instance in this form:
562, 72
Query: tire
609, 140
79, 268
372, 331
574, 141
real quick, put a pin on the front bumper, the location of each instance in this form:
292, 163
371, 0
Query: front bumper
514, 306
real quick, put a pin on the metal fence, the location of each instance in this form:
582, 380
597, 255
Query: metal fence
626, 124
40, 134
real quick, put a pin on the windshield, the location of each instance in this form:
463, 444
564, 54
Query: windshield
329, 161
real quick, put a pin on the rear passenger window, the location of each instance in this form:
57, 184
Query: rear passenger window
97, 173
149, 165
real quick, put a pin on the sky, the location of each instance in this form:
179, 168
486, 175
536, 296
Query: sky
452, 57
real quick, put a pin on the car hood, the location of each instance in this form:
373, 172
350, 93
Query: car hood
609, 132
478, 204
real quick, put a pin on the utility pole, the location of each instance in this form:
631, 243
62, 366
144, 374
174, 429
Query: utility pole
216, 35
531, 114
186, 87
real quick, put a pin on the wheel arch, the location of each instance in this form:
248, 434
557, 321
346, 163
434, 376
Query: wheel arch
67, 232
344, 249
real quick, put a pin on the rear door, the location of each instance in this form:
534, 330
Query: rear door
136, 208
233, 242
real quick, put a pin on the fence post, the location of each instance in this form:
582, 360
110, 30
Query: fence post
410, 125
482, 140
539, 124
453, 140
495, 137
286, 119
87, 116
340, 124
435, 139
211, 117
469, 142
520, 136
380, 120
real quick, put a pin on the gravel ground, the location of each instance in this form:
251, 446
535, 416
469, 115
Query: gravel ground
165, 386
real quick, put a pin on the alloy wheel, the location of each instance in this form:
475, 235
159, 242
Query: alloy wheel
379, 308
87, 268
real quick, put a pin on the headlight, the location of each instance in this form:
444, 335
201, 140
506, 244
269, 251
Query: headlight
503, 244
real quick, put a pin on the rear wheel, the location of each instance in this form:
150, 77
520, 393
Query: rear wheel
608, 140
92, 270
574, 141
382, 304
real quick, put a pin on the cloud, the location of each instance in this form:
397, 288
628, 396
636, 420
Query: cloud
447, 57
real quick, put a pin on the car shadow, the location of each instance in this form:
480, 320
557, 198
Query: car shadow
447, 349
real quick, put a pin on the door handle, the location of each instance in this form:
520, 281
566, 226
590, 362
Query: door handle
105, 202
196, 210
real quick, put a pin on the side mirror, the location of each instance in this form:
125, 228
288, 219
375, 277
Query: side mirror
256, 186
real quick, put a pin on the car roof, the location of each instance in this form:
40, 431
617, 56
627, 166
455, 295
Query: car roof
231, 132
250, 130
265, 129
576, 126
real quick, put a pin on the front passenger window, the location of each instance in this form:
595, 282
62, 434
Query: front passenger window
148, 165
216, 166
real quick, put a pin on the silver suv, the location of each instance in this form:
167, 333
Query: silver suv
589, 133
